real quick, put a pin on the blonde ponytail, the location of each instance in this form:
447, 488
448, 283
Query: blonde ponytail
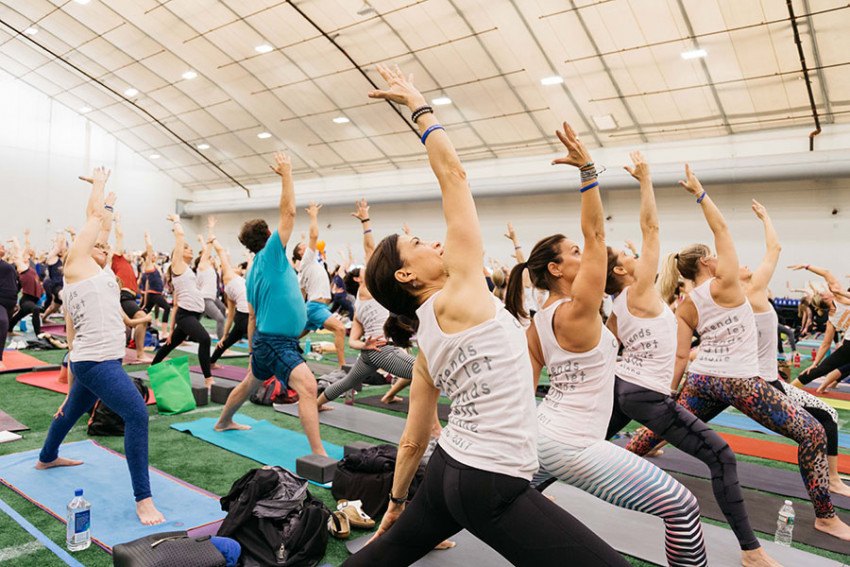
668, 278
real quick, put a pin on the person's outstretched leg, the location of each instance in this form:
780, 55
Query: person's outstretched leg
212, 311
195, 331
618, 418
80, 400
302, 380
626, 480
238, 332
836, 359
174, 341
352, 379
335, 326
238, 396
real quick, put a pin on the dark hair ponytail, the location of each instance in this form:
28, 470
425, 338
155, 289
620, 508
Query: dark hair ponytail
514, 299
391, 293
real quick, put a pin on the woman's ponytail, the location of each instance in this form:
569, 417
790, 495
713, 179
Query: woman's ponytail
668, 278
514, 300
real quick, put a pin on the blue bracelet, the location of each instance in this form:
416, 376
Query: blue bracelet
701, 197
430, 129
589, 187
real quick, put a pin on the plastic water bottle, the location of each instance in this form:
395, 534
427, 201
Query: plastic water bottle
785, 525
78, 535
308, 346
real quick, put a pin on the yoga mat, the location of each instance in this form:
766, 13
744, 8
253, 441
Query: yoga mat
9, 423
192, 348
370, 423
744, 423
776, 451
750, 475
106, 481
17, 361
401, 407
49, 380
54, 329
829, 394
264, 442
631, 533
131, 358
234, 373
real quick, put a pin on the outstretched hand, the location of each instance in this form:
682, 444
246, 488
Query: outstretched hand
362, 212
641, 169
99, 175
759, 210
577, 154
405, 228
173, 218
282, 164
511, 233
796, 267
691, 183
400, 88
313, 209
109, 202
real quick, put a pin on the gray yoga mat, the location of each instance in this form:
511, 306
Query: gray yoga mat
356, 420
192, 348
402, 406
9, 423
631, 533
750, 475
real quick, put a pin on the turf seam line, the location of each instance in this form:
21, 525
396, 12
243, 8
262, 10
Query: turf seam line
9, 553
33, 531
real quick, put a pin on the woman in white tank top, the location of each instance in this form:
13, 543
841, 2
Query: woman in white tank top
207, 276
726, 370
95, 326
474, 351
646, 327
236, 294
567, 336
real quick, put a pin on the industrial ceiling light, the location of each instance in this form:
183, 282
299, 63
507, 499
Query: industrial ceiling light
694, 54
189, 75
131, 92
365, 10
31, 31
83, 2
264, 135
264, 48
441, 101
341, 120
552, 80
154, 156
85, 109
203, 146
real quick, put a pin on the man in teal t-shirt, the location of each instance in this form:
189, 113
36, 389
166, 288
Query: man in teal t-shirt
277, 316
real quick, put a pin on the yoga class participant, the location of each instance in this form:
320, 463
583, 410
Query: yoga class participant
188, 305
646, 327
472, 349
567, 336
54, 281
151, 283
317, 288
236, 325
31, 289
277, 316
208, 281
726, 370
96, 339
129, 290
9, 286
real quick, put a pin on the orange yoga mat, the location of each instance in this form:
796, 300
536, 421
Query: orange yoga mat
829, 394
49, 380
16, 361
774, 451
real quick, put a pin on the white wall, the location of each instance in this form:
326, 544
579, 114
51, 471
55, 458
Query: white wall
44, 146
801, 213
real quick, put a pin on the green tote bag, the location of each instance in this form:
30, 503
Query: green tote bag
172, 386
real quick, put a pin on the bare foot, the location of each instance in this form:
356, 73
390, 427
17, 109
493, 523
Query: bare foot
654, 453
147, 512
326, 407
208, 382
445, 544
59, 462
143, 359
215, 366
758, 558
834, 527
837, 486
231, 425
394, 400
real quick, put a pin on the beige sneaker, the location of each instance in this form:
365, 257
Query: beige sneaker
356, 516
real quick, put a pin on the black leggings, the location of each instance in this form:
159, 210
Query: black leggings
238, 332
341, 304
682, 429
792, 338
5, 315
28, 304
521, 524
157, 300
187, 325
838, 358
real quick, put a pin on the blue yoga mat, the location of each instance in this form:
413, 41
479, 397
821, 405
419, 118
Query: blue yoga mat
106, 481
744, 423
264, 442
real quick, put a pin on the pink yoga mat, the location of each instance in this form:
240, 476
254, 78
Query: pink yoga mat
235, 373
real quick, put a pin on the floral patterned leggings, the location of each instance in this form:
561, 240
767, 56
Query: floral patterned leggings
707, 396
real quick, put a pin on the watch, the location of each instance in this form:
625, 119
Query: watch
395, 500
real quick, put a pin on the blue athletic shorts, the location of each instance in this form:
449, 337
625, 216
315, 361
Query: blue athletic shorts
274, 355
317, 314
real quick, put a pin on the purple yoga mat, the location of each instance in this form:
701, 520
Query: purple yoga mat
235, 373
9, 423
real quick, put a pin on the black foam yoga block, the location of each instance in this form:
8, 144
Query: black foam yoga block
200, 391
317, 468
221, 390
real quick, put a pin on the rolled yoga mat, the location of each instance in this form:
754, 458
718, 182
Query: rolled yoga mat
401, 407
49, 380
17, 361
106, 480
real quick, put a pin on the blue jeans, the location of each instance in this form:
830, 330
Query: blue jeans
107, 381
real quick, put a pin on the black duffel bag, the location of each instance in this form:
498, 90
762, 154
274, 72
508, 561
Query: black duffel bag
168, 549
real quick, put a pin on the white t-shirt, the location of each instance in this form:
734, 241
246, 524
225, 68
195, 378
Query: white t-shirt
186, 292
767, 324
649, 346
237, 292
578, 407
313, 277
728, 337
372, 316
95, 309
486, 372
840, 319
208, 283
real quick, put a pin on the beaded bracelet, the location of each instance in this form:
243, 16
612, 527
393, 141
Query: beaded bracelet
367, 219
421, 111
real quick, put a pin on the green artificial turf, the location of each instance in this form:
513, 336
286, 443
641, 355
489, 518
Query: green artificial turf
183, 456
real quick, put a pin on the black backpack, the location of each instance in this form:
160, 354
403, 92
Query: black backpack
105, 422
273, 392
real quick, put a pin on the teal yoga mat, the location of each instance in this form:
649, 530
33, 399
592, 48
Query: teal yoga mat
744, 423
264, 442
106, 480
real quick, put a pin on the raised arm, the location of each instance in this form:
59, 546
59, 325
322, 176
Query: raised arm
119, 236
511, 235
646, 267
313, 213
79, 263
150, 254
831, 280
763, 274
463, 254
178, 264
362, 214
286, 207
227, 272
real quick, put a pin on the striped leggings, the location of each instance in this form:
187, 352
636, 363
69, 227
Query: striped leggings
707, 396
628, 481
388, 358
